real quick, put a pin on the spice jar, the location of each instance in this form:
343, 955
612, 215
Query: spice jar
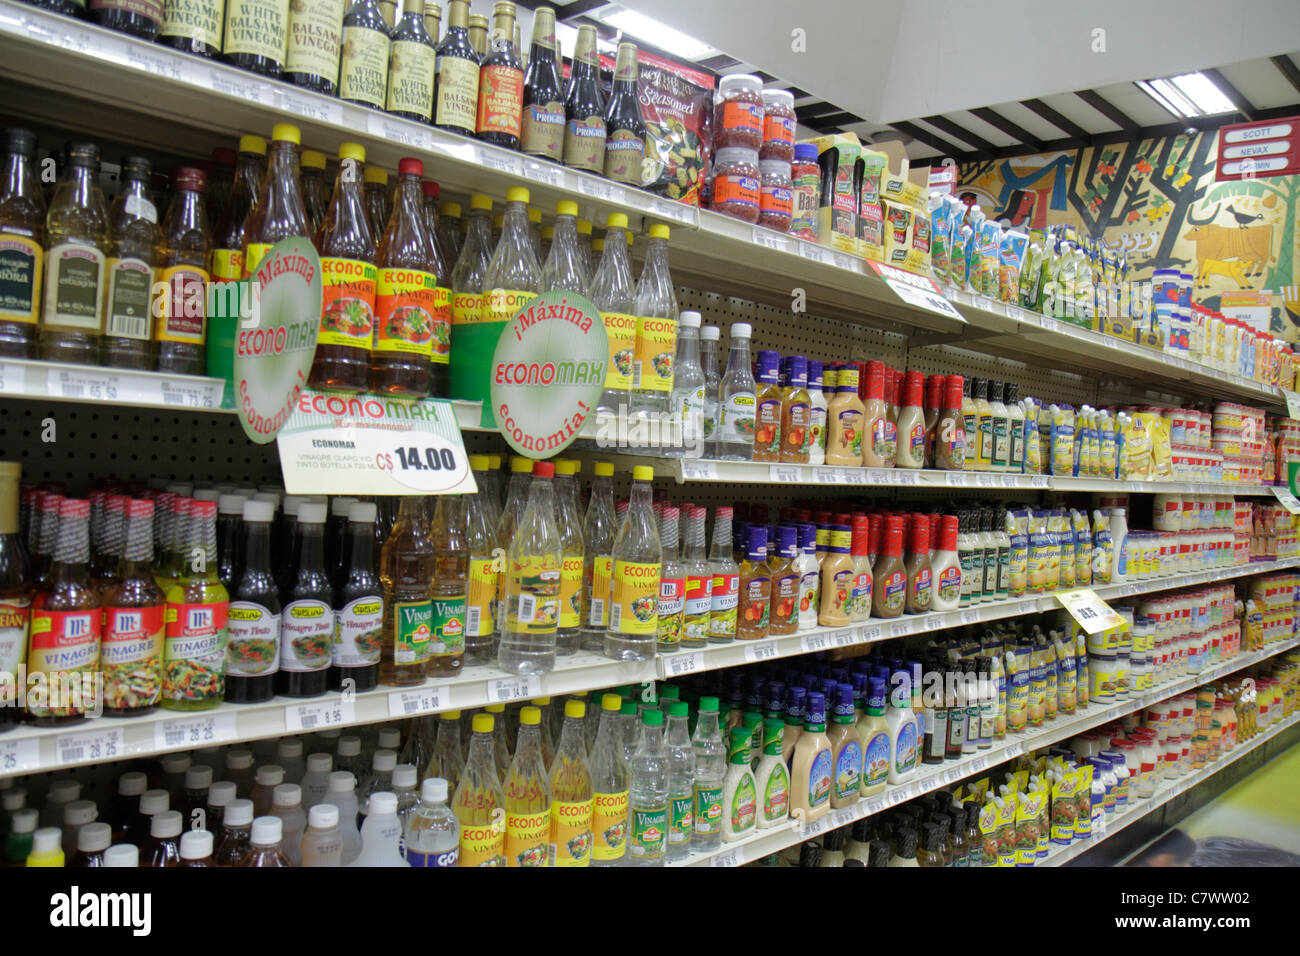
778, 125
805, 176
736, 186
738, 112
776, 199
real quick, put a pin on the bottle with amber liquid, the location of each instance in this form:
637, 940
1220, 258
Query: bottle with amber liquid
348, 276
467, 294
279, 212
407, 565
141, 18
228, 240
76, 240
440, 346
134, 243
181, 329
584, 109
133, 621
375, 188
511, 282
22, 241
315, 190
501, 83
624, 128
455, 98
543, 118
755, 606
15, 590
404, 294
447, 532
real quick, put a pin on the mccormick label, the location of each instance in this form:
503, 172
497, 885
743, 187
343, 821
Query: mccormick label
858, 602
949, 583
724, 601
62, 643
526, 838
252, 640
895, 591
634, 604
609, 825
620, 329
404, 312
358, 632
921, 588
194, 651
671, 605
571, 837
131, 656
695, 624
412, 631
500, 100
655, 351
21, 264
308, 636
482, 844
348, 308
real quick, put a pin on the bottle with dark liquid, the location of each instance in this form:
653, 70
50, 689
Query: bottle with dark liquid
625, 130
279, 211
348, 274
187, 244
358, 605
543, 117
141, 18
315, 41
253, 638
411, 60
131, 653
228, 242
257, 34
307, 621
76, 238
230, 534
193, 26
584, 128
135, 241
15, 591
406, 572
455, 98
478, 35
315, 189
22, 245
501, 83
363, 74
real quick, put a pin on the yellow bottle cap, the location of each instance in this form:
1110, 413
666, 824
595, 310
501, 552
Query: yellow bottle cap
598, 245
658, 231
517, 194
604, 469
584, 227
611, 702
643, 473
520, 466
577, 467
494, 462
286, 133
478, 462
616, 220
566, 207
531, 716
450, 715
542, 701
375, 174
483, 723
575, 708
312, 159
495, 708
548, 233
534, 215
351, 151
499, 221
563, 467
480, 201
451, 209
252, 144
629, 237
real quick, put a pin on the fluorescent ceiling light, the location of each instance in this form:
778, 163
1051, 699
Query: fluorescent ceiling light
656, 33
1188, 95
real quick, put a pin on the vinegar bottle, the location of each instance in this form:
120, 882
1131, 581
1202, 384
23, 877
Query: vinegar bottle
625, 130
183, 267
256, 36
22, 231
358, 605
279, 212
455, 106
440, 346
315, 190
572, 793
363, 70
507, 521
133, 622
315, 42
527, 796
406, 572
543, 104
634, 594
76, 237
348, 276
736, 400
374, 183
568, 521
672, 583
598, 530
135, 239
656, 329
253, 638
450, 584
480, 537
534, 567
307, 621
565, 269
584, 130
467, 278
478, 797
501, 83
613, 293
725, 595
510, 283
228, 241
411, 66
15, 590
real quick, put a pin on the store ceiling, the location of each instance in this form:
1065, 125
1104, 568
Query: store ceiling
995, 78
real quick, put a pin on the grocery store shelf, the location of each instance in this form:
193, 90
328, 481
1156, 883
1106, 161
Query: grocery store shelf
65, 382
1136, 810
933, 777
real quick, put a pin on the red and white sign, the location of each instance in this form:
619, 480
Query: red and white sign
1257, 150
943, 179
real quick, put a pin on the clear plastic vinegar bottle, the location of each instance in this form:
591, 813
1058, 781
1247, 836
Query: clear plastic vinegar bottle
534, 566
598, 531
406, 573
569, 524
656, 331
614, 294
634, 592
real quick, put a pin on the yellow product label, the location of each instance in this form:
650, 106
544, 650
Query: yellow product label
227, 264
466, 308
482, 596
364, 74
441, 343
184, 307
656, 350
404, 311
410, 79
253, 257
620, 329
482, 844
601, 573
609, 825
22, 262
571, 592
196, 20
526, 838
257, 28
457, 103
348, 303
570, 833
634, 606
532, 604
501, 305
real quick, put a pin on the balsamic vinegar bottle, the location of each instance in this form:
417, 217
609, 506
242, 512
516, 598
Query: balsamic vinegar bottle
358, 605
257, 34
584, 129
543, 117
455, 107
501, 83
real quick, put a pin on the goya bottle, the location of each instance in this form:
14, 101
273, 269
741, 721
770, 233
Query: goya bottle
193, 26
358, 605
613, 293
363, 73
257, 34
181, 329
624, 128
76, 237
510, 284
253, 633
501, 83
406, 573
134, 608
634, 594
15, 590
307, 618
22, 252
584, 109
228, 234
134, 241
467, 279
348, 277
404, 294
455, 106
315, 42
194, 649
279, 212
141, 18
543, 118
411, 59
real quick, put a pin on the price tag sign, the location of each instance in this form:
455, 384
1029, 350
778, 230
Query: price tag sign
760, 651
1092, 613
424, 700
1292, 400
854, 476
734, 857
845, 638
12, 379
986, 480
19, 756
1286, 499
676, 665
1014, 750
694, 469
905, 476
203, 393
953, 774
101, 743
230, 82
955, 479
370, 444
194, 731
869, 633
1010, 481
500, 161
815, 642
320, 714
789, 474
772, 240
676, 211
597, 188
826, 476
505, 689
873, 806
900, 628
89, 386
970, 617
547, 173
1048, 323
320, 108
1038, 481
921, 299
810, 250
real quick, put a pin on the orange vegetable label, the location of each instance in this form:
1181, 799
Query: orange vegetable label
466, 308
526, 838
609, 825
620, 329
500, 99
634, 607
348, 306
656, 348
404, 304
482, 844
571, 592
570, 833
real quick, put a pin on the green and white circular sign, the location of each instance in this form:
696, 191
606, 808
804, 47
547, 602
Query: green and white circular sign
548, 372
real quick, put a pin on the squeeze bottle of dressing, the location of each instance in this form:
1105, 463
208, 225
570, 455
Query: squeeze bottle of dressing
811, 765
846, 750
912, 423
876, 740
877, 451
738, 789
844, 420
902, 727
772, 778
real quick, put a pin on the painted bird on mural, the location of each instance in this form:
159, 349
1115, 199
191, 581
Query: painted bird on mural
1243, 219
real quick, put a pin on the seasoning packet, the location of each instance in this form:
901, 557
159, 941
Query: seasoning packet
1082, 547
868, 170
676, 106
1061, 420
1017, 528
1083, 802
1011, 258
1036, 564
1103, 550
898, 233
941, 222
1006, 830
838, 213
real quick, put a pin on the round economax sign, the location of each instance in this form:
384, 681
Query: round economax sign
548, 372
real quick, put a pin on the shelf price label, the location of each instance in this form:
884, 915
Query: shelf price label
102, 743
675, 665
760, 651
845, 638
734, 857
1292, 402
694, 469
505, 689
1092, 613
194, 731
547, 173
423, 700
1286, 499
85, 385
199, 393
320, 714
815, 642
826, 476
319, 108
20, 756
787, 474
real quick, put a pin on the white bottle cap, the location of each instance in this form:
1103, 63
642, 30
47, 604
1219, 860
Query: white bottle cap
14, 797
349, 746
176, 763
383, 803
390, 738
122, 855
341, 781
239, 759
286, 795
311, 512
230, 505
689, 320
363, 512
269, 775
741, 330
196, 845
266, 831
46, 840
434, 790
405, 776
339, 506
383, 761
319, 763
268, 497
198, 777
207, 494
323, 816
24, 821
63, 791
154, 801
709, 333
292, 503
238, 813
165, 824
132, 784
79, 813
94, 837
222, 793
289, 748
259, 511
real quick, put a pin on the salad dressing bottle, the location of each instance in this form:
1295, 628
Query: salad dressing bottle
846, 750
920, 589
772, 777
253, 640
527, 796
950, 428
509, 284
970, 424
901, 721
984, 422
739, 790
1015, 428
637, 558
613, 293
478, 797
768, 407
877, 450
786, 578
845, 413
752, 619
862, 584
816, 440
889, 589
811, 764
912, 427
837, 571
876, 740
406, 574
598, 530
1000, 423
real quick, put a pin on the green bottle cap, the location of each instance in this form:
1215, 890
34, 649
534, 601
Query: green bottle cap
629, 708
678, 708
653, 718
669, 692
708, 704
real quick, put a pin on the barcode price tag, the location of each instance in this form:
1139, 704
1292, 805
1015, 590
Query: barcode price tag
1010, 481
1038, 481
899, 628
504, 689
697, 470
970, 617
194, 731
771, 240
986, 480
1292, 402
20, 756
923, 299
790, 474
1014, 750
855, 476
842, 261
87, 386
953, 774
1092, 613
424, 700
1048, 323
500, 161
869, 633
596, 188
675, 665
955, 479
826, 476
760, 651
102, 743
676, 211
408, 134
905, 476
1286, 499
318, 108
198, 394
846, 638
734, 857
877, 476
873, 805
815, 642
319, 714
11, 379
547, 173
810, 250
979, 764
232, 84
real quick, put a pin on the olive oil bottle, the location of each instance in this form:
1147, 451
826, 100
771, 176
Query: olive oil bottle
76, 241
134, 244
22, 252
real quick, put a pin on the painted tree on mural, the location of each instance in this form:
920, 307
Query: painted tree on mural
1181, 162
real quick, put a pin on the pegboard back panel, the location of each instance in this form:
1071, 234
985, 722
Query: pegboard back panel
1045, 383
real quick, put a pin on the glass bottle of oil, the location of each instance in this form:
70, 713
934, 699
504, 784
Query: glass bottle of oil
510, 284
404, 294
467, 278
134, 241
348, 275
571, 792
406, 571
478, 797
194, 646
22, 239
279, 211
480, 539
228, 242
614, 294
569, 523
181, 329
450, 584
440, 344
76, 239
534, 565
528, 796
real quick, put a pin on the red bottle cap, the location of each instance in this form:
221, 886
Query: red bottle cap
913, 389
875, 522
860, 536
948, 527
74, 508
410, 167
934, 391
892, 546
875, 381
429, 187
822, 517
841, 517
895, 387
543, 469
953, 392
920, 534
